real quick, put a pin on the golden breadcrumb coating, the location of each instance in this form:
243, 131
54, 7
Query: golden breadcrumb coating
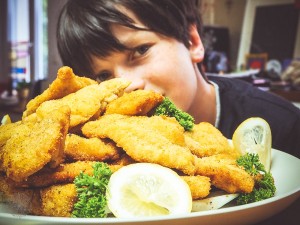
90, 149
33, 145
142, 144
138, 102
58, 200
65, 83
199, 185
23, 200
225, 174
211, 141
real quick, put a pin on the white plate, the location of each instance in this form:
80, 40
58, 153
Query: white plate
285, 169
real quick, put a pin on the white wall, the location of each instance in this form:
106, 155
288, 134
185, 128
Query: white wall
54, 61
228, 14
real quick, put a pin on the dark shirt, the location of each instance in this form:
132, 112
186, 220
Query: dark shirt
239, 100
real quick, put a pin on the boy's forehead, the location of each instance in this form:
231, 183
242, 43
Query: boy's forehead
125, 34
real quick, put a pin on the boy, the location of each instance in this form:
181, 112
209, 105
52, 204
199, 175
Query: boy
156, 44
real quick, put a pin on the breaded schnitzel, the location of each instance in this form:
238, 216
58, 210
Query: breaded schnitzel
199, 185
225, 174
91, 149
66, 173
58, 200
6, 131
87, 101
141, 143
166, 126
138, 102
211, 141
35, 144
65, 83
22, 199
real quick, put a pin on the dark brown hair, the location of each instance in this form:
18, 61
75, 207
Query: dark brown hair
84, 26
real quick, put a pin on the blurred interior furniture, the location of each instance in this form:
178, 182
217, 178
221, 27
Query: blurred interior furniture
266, 82
16, 105
216, 43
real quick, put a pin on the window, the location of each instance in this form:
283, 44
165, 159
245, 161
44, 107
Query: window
25, 26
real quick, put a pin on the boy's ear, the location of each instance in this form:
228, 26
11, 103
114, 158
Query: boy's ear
196, 47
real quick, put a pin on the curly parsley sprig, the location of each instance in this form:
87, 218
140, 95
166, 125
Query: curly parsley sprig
168, 108
91, 192
264, 186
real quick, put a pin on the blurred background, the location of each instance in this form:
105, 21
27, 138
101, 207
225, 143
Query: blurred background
254, 40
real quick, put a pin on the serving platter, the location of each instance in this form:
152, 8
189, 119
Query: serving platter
285, 169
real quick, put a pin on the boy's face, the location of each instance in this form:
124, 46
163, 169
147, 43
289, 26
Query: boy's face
154, 62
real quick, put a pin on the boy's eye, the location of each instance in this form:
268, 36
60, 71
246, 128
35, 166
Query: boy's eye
102, 76
140, 50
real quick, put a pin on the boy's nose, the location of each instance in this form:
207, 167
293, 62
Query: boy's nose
121, 72
136, 82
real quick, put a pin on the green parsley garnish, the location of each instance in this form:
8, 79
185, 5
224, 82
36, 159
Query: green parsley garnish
168, 108
264, 186
91, 193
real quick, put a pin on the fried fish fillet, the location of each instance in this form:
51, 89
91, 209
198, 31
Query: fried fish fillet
58, 200
141, 143
90, 149
35, 144
124, 160
199, 185
65, 83
138, 102
6, 131
88, 101
211, 141
225, 173
166, 126
64, 173
23, 200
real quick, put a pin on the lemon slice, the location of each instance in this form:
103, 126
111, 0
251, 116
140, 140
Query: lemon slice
146, 189
5, 120
254, 136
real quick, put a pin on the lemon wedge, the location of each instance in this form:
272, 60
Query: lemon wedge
254, 136
146, 189
5, 120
